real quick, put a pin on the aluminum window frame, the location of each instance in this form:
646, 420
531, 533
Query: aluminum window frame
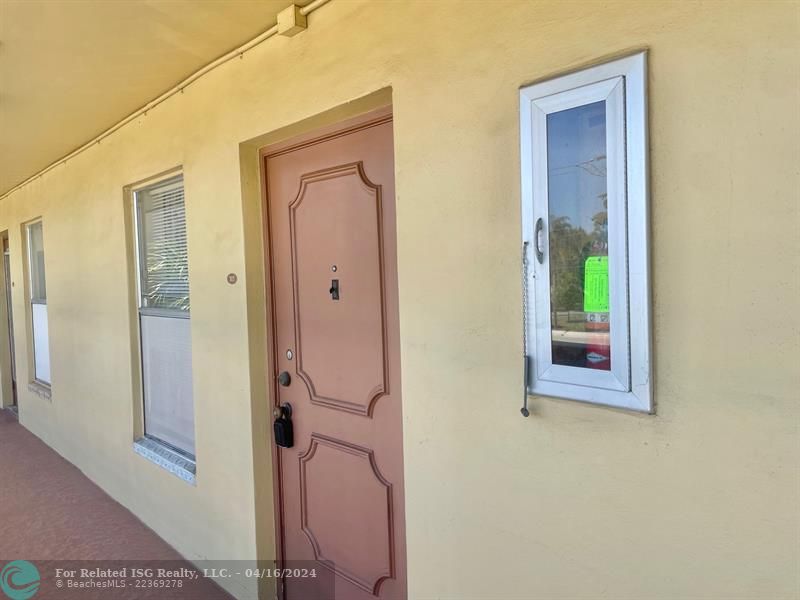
622, 84
141, 310
36, 301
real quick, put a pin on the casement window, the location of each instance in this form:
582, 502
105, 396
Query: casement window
38, 299
164, 316
585, 235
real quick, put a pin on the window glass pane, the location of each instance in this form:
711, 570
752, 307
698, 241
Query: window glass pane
163, 253
36, 250
578, 232
167, 379
41, 343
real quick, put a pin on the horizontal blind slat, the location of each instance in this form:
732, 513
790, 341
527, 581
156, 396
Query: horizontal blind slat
165, 273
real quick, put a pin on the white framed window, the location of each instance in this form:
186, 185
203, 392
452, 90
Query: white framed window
585, 235
38, 299
164, 314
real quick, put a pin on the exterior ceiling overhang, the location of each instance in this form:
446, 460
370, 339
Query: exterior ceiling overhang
71, 70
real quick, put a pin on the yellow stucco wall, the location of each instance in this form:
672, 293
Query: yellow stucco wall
699, 501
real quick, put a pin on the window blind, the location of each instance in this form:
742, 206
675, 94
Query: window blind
36, 256
164, 262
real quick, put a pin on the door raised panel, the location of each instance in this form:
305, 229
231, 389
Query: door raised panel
336, 244
333, 271
346, 511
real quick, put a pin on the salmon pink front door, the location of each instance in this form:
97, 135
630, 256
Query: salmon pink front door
331, 205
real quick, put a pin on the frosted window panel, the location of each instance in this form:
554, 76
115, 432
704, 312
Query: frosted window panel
41, 343
167, 375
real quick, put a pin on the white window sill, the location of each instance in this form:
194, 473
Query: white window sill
167, 459
40, 389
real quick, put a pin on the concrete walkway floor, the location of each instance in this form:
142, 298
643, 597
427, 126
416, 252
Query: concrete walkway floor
53, 516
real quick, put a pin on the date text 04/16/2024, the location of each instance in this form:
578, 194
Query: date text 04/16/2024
261, 573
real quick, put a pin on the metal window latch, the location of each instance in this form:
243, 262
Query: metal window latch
538, 240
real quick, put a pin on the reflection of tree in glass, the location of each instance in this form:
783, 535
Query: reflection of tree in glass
600, 230
577, 199
567, 245
570, 246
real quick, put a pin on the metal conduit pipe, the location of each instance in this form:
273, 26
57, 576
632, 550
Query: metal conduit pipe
304, 10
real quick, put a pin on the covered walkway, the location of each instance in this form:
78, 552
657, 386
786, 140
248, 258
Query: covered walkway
52, 512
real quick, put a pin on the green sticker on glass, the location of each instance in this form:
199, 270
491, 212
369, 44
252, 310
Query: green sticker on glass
595, 284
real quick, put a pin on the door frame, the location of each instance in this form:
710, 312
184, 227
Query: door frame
316, 136
10, 391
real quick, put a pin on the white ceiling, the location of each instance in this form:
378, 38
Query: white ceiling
69, 69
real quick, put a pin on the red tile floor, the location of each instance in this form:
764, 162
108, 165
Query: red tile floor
52, 514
